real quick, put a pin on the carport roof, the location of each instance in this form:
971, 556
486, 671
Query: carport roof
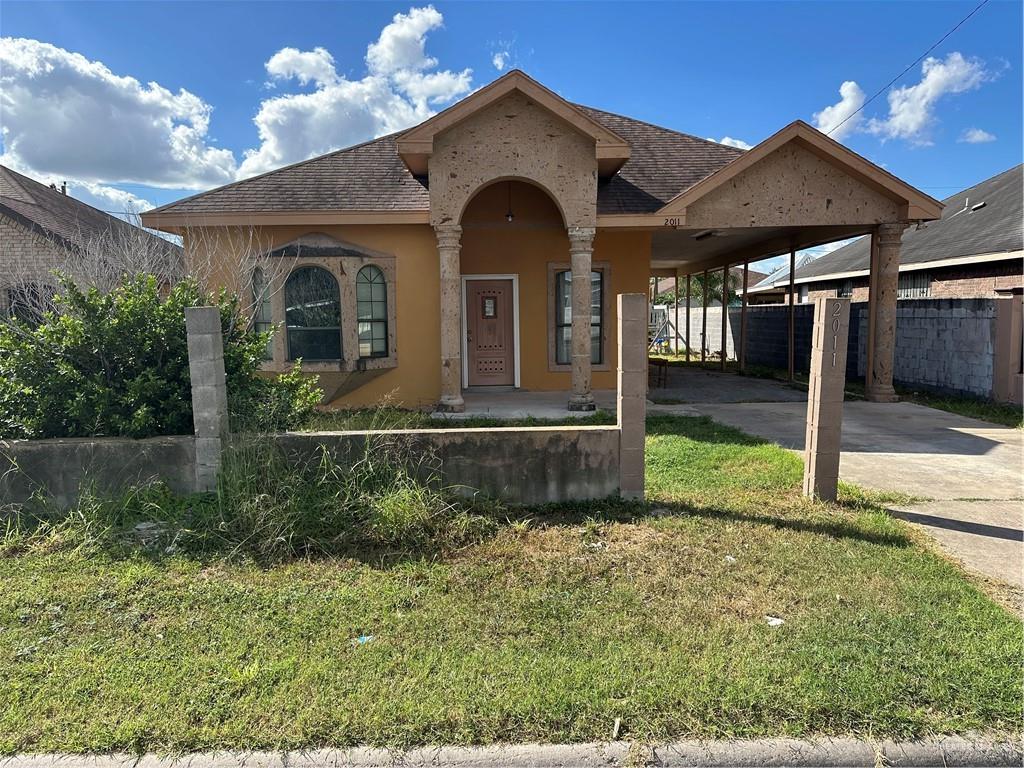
986, 220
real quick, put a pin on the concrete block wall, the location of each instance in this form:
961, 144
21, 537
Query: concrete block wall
690, 332
943, 345
768, 335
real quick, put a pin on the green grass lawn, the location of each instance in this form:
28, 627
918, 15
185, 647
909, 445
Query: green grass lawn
549, 629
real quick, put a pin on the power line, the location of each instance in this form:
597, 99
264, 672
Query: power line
889, 85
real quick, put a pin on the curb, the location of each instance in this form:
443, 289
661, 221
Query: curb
947, 752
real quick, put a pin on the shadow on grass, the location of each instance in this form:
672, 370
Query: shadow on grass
701, 429
274, 518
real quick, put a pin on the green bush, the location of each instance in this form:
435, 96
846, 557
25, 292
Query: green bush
105, 364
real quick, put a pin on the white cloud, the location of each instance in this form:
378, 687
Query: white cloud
316, 66
500, 60
402, 88
976, 136
841, 119
61, 113
912, 107
402, 43
731, 142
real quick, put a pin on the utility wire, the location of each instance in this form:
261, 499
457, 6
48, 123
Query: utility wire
889, 85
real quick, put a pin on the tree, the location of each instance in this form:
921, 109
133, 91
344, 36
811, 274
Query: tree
714, 290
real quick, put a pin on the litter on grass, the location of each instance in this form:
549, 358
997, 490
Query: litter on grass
774, 621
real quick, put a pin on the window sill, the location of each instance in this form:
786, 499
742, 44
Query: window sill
567, 368
332, 366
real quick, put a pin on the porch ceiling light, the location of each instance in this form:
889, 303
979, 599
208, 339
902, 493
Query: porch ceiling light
509, 215
705, 234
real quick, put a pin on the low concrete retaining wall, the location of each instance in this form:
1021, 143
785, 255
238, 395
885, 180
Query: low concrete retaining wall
60, 469
530, 465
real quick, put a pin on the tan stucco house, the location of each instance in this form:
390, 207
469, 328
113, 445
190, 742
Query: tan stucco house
485, 246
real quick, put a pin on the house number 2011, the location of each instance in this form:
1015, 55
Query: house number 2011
836, 310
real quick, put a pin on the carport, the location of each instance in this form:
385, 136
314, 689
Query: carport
797, 189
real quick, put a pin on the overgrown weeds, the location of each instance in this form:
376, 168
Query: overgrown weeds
269, 506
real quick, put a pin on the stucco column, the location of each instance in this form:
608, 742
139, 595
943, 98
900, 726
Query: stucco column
449, 238
581, 246
885, 275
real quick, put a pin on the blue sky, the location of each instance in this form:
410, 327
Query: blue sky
281, 81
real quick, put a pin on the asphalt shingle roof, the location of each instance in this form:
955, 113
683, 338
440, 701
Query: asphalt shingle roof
372, 176
994, 228
55, 214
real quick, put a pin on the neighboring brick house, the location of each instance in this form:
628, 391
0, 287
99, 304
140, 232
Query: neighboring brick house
43, 229
974, 251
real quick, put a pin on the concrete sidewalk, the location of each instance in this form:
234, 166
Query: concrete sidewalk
827, 753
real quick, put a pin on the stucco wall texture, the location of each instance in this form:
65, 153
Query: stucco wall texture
490, 245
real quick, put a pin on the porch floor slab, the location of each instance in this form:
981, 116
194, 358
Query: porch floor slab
512, 404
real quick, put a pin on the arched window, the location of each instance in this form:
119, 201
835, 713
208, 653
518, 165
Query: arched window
372, 312
262, 319
313, 314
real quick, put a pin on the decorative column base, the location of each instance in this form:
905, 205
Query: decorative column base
451, 405
582, 403
881, 393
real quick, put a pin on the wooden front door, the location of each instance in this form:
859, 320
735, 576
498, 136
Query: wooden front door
490, 333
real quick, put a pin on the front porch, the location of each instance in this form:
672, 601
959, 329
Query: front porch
507, 403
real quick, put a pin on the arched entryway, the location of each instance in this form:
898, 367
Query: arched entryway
513, 234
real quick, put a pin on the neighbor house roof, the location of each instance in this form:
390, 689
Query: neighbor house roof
372, 177
982, 223
59, 216
753, 278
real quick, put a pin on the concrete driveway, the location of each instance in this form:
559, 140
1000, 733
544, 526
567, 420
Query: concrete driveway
969, 471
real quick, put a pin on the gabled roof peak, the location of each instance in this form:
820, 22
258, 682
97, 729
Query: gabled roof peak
416, 144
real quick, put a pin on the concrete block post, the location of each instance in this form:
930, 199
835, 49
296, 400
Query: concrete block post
209, 391
632, 389
825, 398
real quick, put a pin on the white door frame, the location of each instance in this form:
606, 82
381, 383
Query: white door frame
515, 323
